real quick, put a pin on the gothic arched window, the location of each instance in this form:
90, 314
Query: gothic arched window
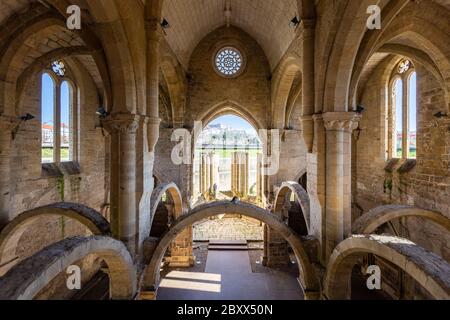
58, 115
404, 111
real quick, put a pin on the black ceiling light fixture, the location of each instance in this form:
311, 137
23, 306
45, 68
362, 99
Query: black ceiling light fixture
294, 22
165, 24
440, 115
360, 109
27, 117
102, 113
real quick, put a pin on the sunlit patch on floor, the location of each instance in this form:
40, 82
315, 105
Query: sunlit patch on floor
207, 282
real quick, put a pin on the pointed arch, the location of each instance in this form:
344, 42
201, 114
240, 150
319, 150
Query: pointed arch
308, 278
230, 107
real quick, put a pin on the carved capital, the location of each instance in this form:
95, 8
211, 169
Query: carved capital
308, 24
341, 121
153, 29
122, 123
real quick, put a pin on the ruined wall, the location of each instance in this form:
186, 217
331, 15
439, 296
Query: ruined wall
81, 181
427, 184
228, 228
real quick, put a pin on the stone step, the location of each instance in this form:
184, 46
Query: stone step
227, 242
230, 247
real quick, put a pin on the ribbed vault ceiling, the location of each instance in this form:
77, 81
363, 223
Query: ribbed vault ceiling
267, 21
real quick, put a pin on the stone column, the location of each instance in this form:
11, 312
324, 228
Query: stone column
260, 179
213, 171
275, 249
7, 125
339, 127
202, 173
307, 33
234, 174
181, 252
242, 165
124, 202
153, 36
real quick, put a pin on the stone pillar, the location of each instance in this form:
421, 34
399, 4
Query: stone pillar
124, 202
213, 178
153, 36
260, 180
242, 166
339, 127
7, 125
181, 252
275, 249
307, 33
202, 173
234, 174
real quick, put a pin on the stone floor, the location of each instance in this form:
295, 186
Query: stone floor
228, 275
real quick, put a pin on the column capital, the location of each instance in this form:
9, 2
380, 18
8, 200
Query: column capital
341, 121
307, 24
152, 121
123, 123
153, 29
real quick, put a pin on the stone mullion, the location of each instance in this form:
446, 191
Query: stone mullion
405, 118
57, 124
74, 125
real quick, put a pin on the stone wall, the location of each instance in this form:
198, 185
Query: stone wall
427, 184
81, 181
229, 228
207, 88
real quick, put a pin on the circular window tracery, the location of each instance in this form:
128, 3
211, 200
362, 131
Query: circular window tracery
229, 62
404, 66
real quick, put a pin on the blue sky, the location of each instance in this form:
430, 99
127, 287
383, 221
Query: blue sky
412, 103
234, 122
47, 100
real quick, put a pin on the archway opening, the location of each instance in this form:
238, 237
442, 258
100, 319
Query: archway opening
226, 161
229, 270
226, 165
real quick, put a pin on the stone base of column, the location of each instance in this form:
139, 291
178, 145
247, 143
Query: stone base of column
147, 295
277, 255
181, 261
276, 249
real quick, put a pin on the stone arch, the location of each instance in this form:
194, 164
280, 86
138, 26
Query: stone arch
11, 233
346, 46
15, 51
175, 194
176, 83
421, 40
369, 44
308, 279
288, 70
301, 195
372, 220
306, 9
429, 49
116, 49
294, 104
230, 107
428, 269
31, 275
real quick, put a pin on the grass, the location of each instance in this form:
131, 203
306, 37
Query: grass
227, 152
47, 154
